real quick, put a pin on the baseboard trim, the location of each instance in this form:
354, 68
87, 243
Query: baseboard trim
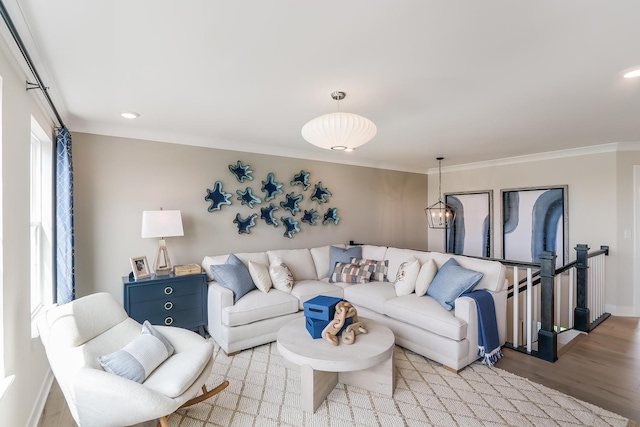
622, 311
38, 408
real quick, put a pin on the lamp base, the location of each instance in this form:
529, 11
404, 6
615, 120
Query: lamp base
162, 266
163, 271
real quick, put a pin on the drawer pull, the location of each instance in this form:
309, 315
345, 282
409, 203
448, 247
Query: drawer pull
168, 321
168, 290
168, 305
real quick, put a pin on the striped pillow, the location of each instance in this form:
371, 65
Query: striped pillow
350, 273
378, 269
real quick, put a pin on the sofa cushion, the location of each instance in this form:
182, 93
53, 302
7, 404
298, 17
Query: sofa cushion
378, 269
494, 272
260, 275
299, 262
257, 305
405, 283
337, 255
304, 290
370, 295
451, 281
281, 275
245, 257
350, 273
234, 275
374, 252
397, 256
428, 271
321, 259
426, 313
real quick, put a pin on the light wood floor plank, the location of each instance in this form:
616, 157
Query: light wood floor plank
602, 368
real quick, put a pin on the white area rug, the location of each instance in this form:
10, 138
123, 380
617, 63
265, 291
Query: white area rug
264, 390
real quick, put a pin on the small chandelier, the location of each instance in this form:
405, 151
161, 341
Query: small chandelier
339, 131
440, 215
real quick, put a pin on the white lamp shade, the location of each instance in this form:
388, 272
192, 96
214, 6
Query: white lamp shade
339, 131
161, 224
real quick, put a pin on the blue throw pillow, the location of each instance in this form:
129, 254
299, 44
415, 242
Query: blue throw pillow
337, 255
451, 282
235, 276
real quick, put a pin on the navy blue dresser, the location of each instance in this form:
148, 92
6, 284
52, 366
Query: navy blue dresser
168, 300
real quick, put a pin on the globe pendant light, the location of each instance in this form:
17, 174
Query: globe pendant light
339, 131
440, 215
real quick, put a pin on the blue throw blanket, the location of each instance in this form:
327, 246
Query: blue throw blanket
488, 338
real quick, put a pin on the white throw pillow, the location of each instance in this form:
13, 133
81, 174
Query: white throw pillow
260, 276
281, 275
406, 277
427, 272
140, 357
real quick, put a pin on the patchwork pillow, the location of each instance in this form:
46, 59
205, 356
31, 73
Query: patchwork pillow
350, 273
427, 272
378, 269
337, 255
406, 278
451, 281
136, 360
235, 276
281, 276
260, 276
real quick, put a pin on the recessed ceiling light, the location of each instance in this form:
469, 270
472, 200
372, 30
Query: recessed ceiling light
631, 74
130, 115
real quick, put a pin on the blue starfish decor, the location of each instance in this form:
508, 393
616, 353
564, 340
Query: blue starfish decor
310, 216
271, 188
319, 193
241, 172
301, 179
331, 215
247, 197
267, 214
217, 197
292, 203
291, 226
245, 224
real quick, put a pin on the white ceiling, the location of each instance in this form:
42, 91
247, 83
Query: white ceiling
468, 80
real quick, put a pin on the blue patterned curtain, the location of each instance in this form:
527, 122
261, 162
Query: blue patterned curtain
65, 259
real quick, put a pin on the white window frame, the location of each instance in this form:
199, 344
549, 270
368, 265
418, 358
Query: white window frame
41, 222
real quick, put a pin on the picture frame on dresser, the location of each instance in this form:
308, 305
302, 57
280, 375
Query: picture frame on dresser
472, 230
140, 267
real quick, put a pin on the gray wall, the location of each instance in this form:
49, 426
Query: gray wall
116, 179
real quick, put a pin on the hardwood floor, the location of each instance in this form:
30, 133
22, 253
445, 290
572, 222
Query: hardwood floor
602, 368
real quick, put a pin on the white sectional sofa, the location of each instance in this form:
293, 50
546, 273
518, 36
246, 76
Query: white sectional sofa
420, 324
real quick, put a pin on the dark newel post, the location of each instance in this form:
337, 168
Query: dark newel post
581, 312
547, 337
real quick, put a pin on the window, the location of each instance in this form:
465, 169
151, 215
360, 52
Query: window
41, 221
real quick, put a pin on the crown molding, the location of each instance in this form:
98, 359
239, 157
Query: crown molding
549, 155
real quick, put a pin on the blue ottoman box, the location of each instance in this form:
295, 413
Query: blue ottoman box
321, 307
315, 326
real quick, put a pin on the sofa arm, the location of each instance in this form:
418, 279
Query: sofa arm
218, 298
466, 309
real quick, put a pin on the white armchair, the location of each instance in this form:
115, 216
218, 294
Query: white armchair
76, 334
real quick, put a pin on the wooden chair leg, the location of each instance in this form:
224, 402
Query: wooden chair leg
162, 422
206, 395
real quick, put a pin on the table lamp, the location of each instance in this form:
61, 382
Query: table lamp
162, 224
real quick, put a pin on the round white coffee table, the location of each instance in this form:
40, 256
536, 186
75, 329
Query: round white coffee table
368, 363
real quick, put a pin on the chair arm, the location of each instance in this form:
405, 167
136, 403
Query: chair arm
99, 393
181, 339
